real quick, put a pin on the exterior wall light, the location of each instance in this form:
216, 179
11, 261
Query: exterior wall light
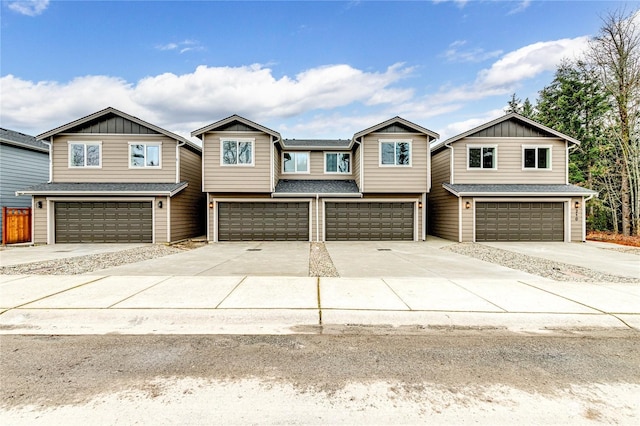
577, 205
467, 205
39, 204
210, 204
419, 204
160, 204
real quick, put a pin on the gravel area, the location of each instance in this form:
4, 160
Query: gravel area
557, 271
95, 262
320, 263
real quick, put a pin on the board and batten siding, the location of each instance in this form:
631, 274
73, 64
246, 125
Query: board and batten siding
232, 178
316, 168
115, 160
19, 169
443, 206
509, 166
395, 179
188, 207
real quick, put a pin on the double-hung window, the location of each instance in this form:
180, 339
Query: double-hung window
482, 157
236, 152
536, 157
395, 153
144, 155
295, 162
337, 162
85, 154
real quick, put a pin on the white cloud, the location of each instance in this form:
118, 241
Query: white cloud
521, 7
190, 100
455, 54
458, 127
29, 7
181, 46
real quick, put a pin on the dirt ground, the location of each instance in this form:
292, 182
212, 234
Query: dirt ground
48, 376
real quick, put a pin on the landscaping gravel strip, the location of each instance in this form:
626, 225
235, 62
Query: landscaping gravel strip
320, 263
557, 271
95, 262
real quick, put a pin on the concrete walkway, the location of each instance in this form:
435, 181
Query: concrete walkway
100, 304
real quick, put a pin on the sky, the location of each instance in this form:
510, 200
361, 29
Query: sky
307, 69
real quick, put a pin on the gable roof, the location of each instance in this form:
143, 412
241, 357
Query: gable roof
318, 144
504, 118
112, 111
397, 120
230, 120
11, 137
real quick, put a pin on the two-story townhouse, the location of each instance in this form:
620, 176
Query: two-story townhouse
506, 180
260, 186
116, 178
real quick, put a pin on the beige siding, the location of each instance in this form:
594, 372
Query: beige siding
316, 169
187, 207
40, 221
576, 218
254, 178
443, 206
115, 160
509, 170
355, 158
277, 156
160, 220
468, 219
402, 179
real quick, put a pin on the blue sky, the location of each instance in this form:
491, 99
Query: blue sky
310, 69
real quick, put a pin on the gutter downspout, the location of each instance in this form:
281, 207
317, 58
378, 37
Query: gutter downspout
450, 163
272, 184
178, 160
317, 217
50, 145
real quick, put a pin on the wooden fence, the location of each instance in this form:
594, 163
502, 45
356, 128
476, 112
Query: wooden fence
16, 225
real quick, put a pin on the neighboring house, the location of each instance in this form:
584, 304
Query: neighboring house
23, 161
116, 178
506, 180
261, 187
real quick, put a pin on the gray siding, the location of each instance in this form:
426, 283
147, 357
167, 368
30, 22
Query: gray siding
443, 206
188, 208
19, 169
509, 154
510, 129
115, 160
113, 124
390, 179
254, 178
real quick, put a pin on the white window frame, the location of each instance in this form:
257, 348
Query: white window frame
237, 141
146, 144
337, 172
536, 147
295, 162
495, 157
395, 158
85, 144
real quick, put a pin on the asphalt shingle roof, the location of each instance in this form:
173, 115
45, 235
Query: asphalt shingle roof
317, 187
106, 188
317, 143
20, 139
507, 189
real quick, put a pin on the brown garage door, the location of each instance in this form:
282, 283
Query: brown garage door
263, 221
519, 221
369, 221
103, 222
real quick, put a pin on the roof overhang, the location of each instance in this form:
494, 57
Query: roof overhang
198, 133
419, 129
515, 190
317, 194
104, 192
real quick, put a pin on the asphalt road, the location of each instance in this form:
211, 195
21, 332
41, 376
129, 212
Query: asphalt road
349, 375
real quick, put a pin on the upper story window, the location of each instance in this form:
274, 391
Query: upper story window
295, 162
236, 152
85, 154
395, 153
482, 157
536, 157
144, 155
337, 162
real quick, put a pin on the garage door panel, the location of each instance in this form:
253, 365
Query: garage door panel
263, 221
520, 221
103, 222
368, 221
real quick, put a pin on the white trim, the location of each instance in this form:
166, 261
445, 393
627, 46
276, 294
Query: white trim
178, 158
167, 200
451, 163
460, 219
105, 193
51, 216
415, 220
395, 141
473, 215
295, 162
310, 221
481, 147
361, 166
536, 168
85, 143
202, 168
424, 216
237, 141
317, 217
272, 167
145, 144
428, 167
350, 172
